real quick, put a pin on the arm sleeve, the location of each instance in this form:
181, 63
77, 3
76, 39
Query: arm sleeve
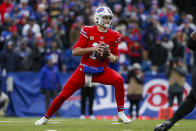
139, 79
115, 45
192, 44
82, 41
182, 71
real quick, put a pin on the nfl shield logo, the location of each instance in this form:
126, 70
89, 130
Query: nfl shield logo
101, 38
91, 37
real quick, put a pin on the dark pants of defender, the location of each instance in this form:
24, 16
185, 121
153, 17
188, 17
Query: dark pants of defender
172, 96
132, 103
50, 94
87, 92
189, 103
186, 107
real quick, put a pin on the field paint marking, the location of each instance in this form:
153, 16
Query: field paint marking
115, 123
54, 122
50, 130
126, 130
5, 121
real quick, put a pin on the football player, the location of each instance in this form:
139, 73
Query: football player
91, 40
189, 103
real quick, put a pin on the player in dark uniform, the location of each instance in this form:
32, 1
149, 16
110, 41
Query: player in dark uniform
189, 103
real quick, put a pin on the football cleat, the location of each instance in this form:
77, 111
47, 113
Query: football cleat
92, 117
82, 117
123, 118
42, 121
164, 126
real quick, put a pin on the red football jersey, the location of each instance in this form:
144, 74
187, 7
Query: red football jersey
90, 36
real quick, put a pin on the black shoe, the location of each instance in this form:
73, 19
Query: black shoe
164, 126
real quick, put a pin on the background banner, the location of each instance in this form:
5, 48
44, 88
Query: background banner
27, 101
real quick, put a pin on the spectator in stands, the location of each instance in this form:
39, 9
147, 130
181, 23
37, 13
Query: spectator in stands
54, 9
68, 20
135, 88
179, 44
15, 13
135, 52
149, 36
146, 63
15, 36
9, 58
75, 30
7, 23
50, 81
168, 44
5, 36
176, 73
37, 56
5, 7
50, 36
170, 25
158, 63
32, 24
24, 53
56, 55
24, 9
42, 17
87, 93
59, 31
187, 27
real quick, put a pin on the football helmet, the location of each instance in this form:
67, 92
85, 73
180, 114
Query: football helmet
100, 12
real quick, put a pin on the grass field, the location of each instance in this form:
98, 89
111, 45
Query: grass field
64, 124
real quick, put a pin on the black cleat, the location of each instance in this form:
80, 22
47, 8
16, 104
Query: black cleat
164, 126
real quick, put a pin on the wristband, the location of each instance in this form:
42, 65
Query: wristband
112, 57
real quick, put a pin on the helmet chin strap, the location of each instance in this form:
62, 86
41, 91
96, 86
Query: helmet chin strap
105, 25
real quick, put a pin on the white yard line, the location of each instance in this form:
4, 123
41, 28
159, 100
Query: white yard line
115, 123
51, 121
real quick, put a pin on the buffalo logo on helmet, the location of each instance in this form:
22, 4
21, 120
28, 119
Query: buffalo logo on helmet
100, 10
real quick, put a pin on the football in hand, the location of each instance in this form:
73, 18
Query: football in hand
104, 54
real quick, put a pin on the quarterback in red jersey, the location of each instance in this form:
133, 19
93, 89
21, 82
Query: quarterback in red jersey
91, 69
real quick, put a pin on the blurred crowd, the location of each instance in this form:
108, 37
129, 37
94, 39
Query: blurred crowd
153, 33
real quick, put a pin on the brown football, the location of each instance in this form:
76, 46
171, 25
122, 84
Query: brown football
103, 55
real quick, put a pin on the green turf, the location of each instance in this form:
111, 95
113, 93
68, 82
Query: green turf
63, 124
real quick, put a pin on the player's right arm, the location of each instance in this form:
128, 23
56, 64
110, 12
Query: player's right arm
81, 46
192, 41
79, 51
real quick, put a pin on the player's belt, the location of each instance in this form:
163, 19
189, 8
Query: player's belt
83, 64
89, 71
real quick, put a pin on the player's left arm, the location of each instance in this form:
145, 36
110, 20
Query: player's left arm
113, 53
112, 57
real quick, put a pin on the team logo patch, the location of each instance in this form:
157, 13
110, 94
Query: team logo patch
100, 10
91, 37
101, 38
